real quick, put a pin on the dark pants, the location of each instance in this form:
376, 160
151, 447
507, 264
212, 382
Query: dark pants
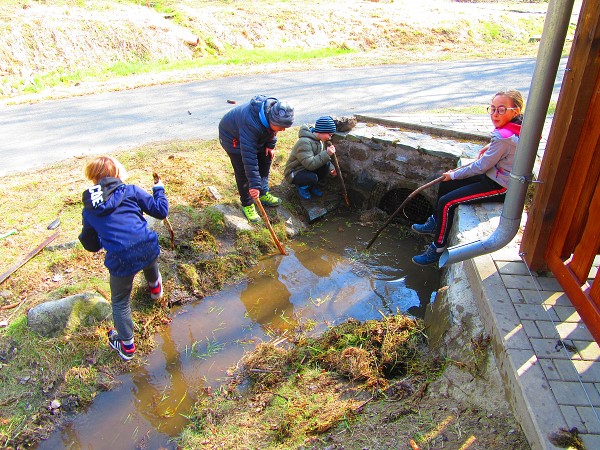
477, 189
120, 293
264, 166
310, 177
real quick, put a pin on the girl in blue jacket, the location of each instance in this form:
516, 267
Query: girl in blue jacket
113, 219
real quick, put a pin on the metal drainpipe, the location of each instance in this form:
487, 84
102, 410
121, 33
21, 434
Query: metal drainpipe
546, 68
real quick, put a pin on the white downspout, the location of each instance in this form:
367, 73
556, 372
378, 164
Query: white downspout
546, 68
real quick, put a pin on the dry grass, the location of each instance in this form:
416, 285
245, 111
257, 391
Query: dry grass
103, 37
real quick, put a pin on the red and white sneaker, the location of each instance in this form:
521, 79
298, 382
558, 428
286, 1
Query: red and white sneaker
125, 352
156, 291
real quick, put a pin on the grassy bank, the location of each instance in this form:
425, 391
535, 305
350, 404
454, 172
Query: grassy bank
74, 367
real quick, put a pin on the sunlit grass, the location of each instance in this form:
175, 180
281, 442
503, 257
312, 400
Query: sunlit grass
232, 57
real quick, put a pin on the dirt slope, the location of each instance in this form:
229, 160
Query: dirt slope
69, 36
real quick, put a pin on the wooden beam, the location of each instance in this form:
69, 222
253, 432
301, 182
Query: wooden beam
30, 255
582, 183
580, 297
571, 110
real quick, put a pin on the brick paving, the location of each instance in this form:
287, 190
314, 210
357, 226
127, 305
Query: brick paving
547, 358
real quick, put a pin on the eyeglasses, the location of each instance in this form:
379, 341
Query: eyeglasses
501, 110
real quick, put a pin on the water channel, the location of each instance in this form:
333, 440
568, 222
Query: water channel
326, 278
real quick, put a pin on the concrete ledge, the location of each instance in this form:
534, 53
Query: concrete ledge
425, 128
527, 389
526, 386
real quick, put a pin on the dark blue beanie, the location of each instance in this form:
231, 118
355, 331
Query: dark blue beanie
324, 124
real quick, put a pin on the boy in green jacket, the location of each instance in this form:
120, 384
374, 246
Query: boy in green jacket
310, 161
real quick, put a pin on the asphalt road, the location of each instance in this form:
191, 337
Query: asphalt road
34, 135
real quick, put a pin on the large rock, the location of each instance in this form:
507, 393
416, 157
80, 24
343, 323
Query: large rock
67, 314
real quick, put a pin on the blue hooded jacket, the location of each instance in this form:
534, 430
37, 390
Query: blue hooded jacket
242, 132
113, 219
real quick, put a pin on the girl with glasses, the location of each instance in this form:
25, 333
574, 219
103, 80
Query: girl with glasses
483, 180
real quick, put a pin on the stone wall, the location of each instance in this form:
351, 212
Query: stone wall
375, 160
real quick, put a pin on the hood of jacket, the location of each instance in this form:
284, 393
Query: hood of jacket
305, 131
102, 198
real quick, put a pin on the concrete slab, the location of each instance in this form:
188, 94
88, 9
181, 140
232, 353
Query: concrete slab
317, 207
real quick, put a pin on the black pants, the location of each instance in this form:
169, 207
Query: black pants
310, 177
264, 167
477, 189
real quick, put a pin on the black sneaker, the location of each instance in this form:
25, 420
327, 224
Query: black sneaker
117, 344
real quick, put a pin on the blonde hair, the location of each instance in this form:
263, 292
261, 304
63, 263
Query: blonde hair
104, 166
515, 96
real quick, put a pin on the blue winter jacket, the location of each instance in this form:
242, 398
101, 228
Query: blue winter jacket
242, 132
113, 219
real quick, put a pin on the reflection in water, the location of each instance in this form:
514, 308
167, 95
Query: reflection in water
327, 278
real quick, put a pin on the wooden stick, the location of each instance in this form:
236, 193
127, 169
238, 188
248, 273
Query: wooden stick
167, 223
402, 205
263, 213
11, 306
30, 255
339, 174
166, 220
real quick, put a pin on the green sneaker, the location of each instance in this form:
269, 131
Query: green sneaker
270, 200
250, 213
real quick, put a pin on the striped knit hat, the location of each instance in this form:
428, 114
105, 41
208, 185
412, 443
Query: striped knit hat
324, 124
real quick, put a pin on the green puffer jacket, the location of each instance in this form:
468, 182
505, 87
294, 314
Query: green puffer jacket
308, 153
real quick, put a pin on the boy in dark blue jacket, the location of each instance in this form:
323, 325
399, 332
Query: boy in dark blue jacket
113, 219
248, 134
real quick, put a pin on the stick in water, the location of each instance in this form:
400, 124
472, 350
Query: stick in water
402, 205
342, 185
263, 213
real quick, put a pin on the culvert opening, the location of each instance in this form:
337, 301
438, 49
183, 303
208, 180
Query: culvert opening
417, 210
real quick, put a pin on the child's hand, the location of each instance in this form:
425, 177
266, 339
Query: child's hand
157, 181
482, 151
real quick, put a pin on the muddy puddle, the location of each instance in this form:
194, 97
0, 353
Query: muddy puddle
326, 278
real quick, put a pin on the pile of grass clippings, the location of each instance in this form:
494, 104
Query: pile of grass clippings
286, 394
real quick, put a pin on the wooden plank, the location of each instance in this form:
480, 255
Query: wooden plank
573, 103
30, 255
595, 289
586, 250
571, 214
578, 295
586, 171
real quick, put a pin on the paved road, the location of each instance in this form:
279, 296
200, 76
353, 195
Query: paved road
32, 136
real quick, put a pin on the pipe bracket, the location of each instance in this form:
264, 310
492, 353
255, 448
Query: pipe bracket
522, 179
